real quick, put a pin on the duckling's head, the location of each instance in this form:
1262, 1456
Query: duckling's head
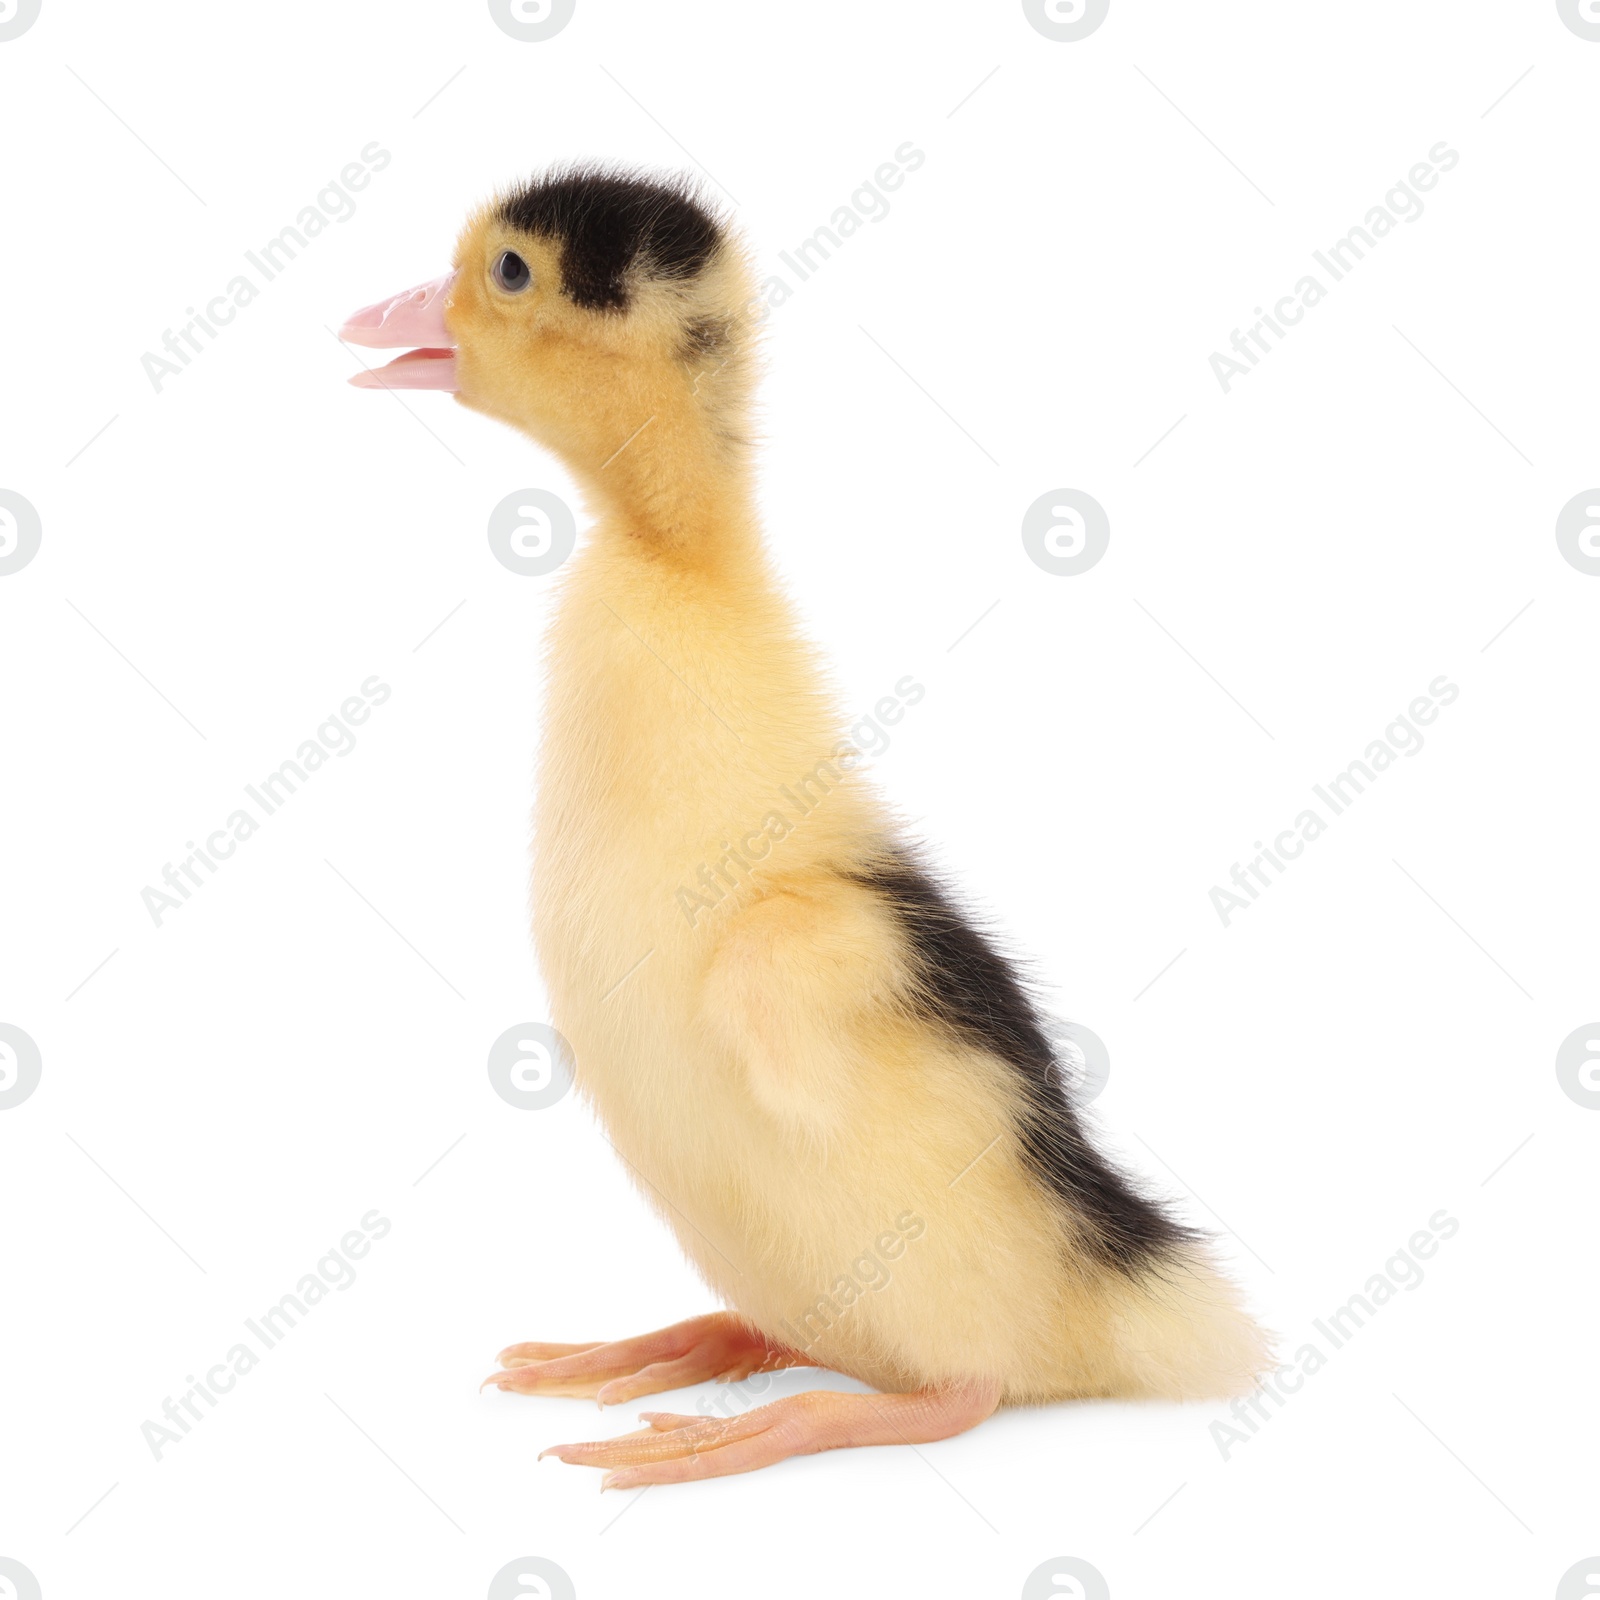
607, 315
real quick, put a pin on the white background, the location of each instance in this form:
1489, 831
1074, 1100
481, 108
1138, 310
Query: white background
227, 560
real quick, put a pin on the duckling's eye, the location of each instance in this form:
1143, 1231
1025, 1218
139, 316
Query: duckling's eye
511, 272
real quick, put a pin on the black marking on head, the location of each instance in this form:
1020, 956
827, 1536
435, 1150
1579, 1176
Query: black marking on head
965, 986
704, 337
611, 223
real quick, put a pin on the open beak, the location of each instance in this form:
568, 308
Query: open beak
413, 320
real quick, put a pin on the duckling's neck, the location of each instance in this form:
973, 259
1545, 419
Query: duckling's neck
679, 493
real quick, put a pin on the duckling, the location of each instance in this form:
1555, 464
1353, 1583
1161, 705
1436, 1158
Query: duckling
829, 1082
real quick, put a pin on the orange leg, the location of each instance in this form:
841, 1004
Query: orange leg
678, 1449
716, 1346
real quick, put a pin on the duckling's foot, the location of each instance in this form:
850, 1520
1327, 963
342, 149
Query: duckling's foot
717, 1346
676, 1449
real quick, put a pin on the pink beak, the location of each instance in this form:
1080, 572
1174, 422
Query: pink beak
415, 318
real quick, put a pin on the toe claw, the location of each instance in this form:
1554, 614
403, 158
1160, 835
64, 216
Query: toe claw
608, 1393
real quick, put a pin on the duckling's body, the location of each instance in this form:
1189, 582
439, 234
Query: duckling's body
827, 1082
765, 1069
